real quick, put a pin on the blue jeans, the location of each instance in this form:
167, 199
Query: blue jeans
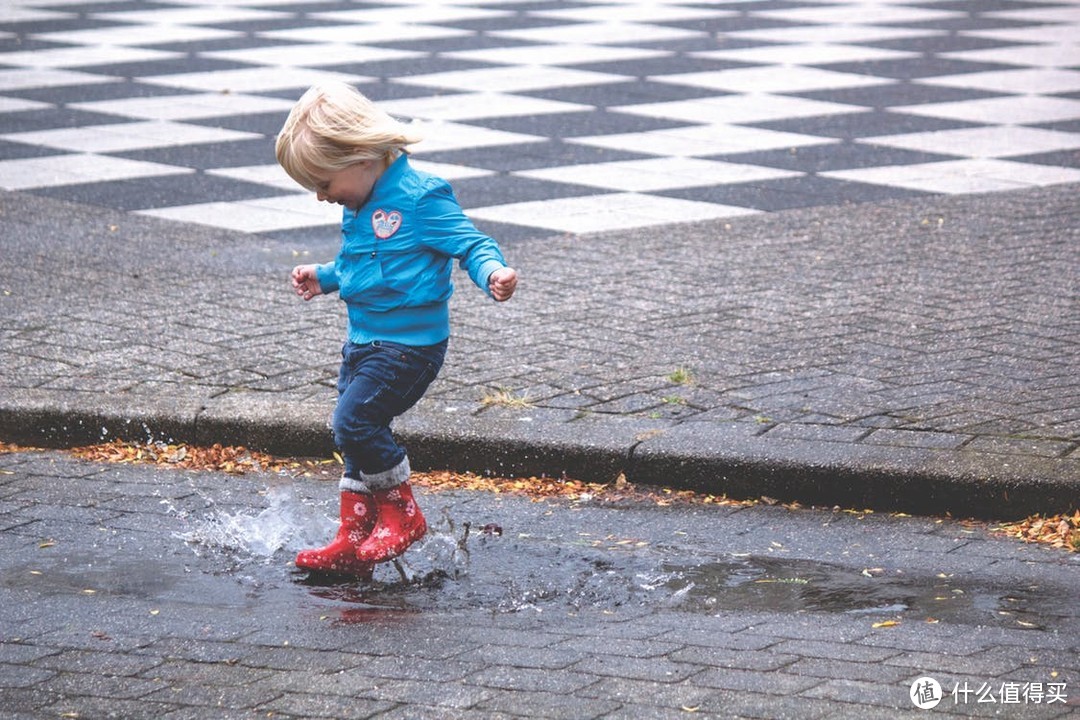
378, 382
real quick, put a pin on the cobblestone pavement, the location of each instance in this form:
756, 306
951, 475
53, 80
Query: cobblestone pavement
893, 342
136, 592
914, 355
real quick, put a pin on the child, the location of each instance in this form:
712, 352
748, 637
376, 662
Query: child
400, 232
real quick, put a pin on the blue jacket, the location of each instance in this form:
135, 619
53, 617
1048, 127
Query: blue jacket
397, 252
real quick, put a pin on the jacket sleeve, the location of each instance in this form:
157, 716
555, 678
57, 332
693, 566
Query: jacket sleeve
448, 231
328, 277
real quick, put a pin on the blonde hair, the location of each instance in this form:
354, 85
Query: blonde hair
334, 126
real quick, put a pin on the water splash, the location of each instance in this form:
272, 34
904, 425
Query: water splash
286, 524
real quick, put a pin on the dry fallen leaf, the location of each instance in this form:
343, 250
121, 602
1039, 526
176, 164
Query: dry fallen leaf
886, 624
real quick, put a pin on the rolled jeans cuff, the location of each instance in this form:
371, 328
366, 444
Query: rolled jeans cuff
348, 484
385, 480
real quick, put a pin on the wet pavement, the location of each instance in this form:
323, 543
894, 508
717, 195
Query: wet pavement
137, 592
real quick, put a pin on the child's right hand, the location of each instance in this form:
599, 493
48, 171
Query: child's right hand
305, 281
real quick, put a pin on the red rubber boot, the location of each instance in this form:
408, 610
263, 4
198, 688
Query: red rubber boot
400, 523
358, 515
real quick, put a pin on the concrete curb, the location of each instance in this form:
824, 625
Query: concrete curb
734, 459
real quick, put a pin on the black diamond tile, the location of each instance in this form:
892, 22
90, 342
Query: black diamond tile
737, 23
632, 92
148, 69
53, 118
408, 67
964, 24
1072, 126
529, 156
864, 124
239, 42
457, 44
207, 156
576, 124
984, 6
264, 123
505, 189
896, 94
1060, 158
93, 92
671, 65
930, 44
517, 21
15, 43
913, 68
18, 151
38, 27
788, 193
835, 156
159, 192
508, 235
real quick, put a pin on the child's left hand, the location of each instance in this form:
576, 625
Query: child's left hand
502, 283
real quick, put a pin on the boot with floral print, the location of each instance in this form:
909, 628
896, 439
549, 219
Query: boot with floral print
358, 517
399, 524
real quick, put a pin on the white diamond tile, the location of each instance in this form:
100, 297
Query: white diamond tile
127, 136
605, 33
657, 174
601, 213
984, 142
735, 109
1065, 33
701, 140
836, 34
207, 15
24, 78
263, 215
1011, 110
1020, 82
860, 14
15, 14
636, 13
557, 54
1060, 55
252, 80
83, 56
312, 54
470, 106
135, 35
430, 15
805, 54
510, 79
771, 79
187, 107
366, 34
961, 176
10, 104
55, 170
272, 175
449, 172
439, 136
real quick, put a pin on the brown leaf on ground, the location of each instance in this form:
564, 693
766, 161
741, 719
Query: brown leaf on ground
1059, 531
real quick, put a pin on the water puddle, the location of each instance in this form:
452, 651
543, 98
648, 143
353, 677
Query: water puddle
236, 555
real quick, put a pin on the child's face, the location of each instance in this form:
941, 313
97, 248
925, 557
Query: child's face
350, 186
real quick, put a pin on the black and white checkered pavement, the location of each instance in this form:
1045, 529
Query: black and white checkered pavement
547, 116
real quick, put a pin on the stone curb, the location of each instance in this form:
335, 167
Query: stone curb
727, 458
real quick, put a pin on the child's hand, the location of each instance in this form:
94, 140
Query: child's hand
305, 281
502, 283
